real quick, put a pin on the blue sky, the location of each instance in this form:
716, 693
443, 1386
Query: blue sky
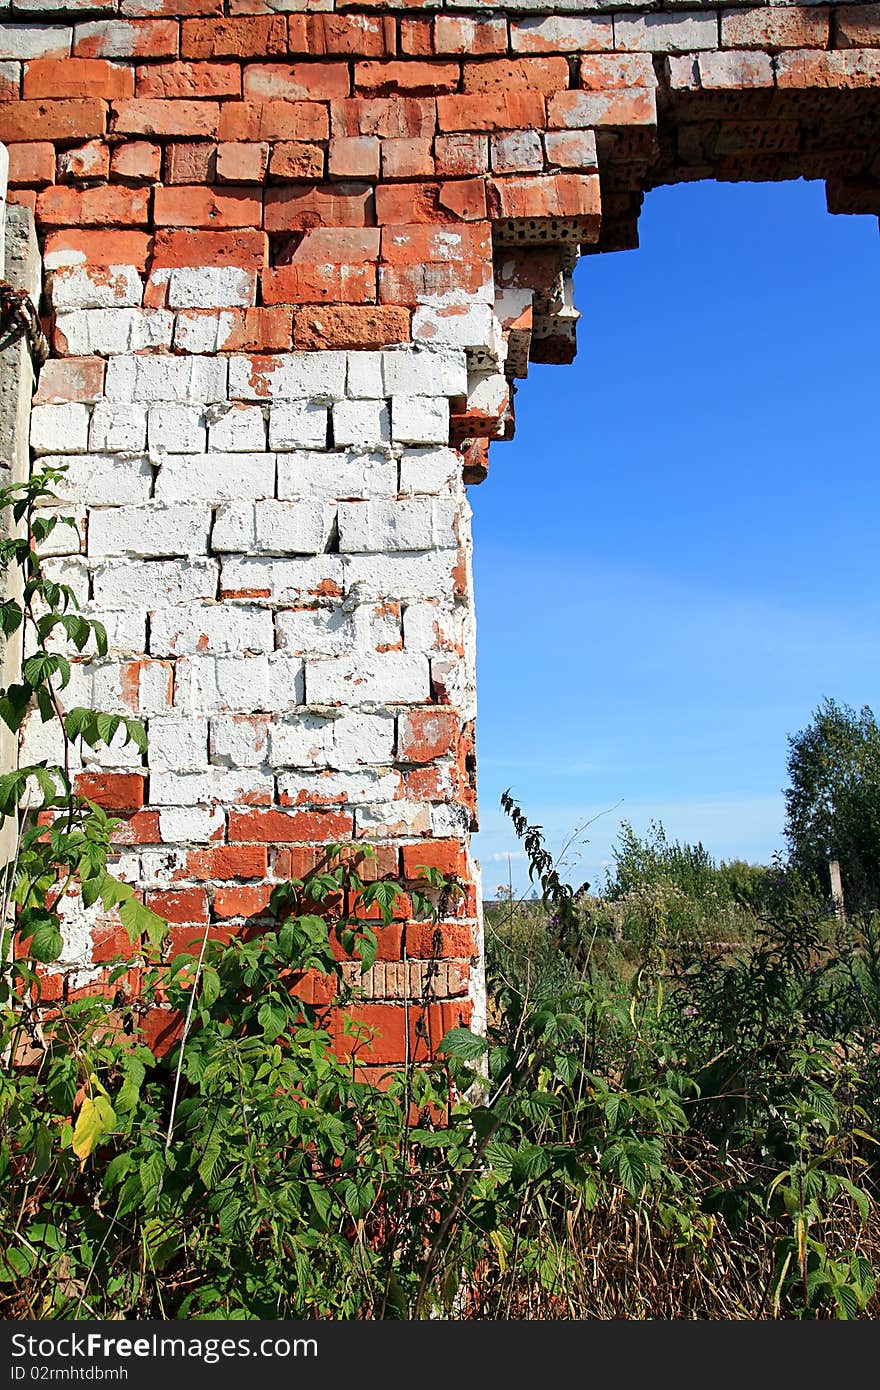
676, 558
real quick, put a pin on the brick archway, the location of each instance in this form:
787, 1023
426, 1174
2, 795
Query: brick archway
293, 262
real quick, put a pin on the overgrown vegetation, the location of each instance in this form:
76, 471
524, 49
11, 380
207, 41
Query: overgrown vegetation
654, 1128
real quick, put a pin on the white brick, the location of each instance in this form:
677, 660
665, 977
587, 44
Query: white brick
215, 477
118, 428
286, 681
157, 378
60, 429
475, 326
349, 788
517, 151
161, 868
336, 475
666, 33
125, 686
385, 678
429, 628
561, 34
23, 41
155, 584
382, 526
96, 287
361, 424
420, 419
401, 576
197, 330
118, 754
298, 425
235, 529
287, 581
240, 429
429, 470
73, 572
198, 825
450, 822
177, 429
346, 740
69, 534
239, 740
150, 531
126, 629
328, 631
365, 378
231, 786
316, 376
178, 745
205, 683
293, 528
393, 819
105, 479
214, 628
108, 331
424, 372
212, 287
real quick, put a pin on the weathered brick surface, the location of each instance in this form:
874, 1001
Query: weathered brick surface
295, 254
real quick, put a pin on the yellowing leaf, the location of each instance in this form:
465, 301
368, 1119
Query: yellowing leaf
96, 1119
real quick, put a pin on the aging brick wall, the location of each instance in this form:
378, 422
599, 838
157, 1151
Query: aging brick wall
295, 256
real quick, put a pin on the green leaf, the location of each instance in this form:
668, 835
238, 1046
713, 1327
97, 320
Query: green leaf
461, 1042
47, 942
139, 921
272, 1018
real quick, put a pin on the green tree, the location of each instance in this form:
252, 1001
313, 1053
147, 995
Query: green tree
833, 800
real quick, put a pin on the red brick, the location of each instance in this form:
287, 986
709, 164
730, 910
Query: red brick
409, 118
93, 207
183, 79
243, 162
406, 159
469, 37
157, 117
119, 38
297, 160
89, 161
417, 37
856, 26
296, 81
426, 734
138, 9
448, 856
429, 941
260, 330
188, 206
516, 75
492, 111
71, 379
308, 280
433, 259
32, 164
10, 81
253, 37
353, 157
771, 28
410, 203
136, 161
405, 79
77, 77
51, 120
548, 195
608, 72
290, 209
571, 149
458, 156
180, 904
278, 827
355, 35
847, 69
274, 120
23, 198
248, 249
392, 1033
356, 327
98, 248
226, 861
114, 791
579, 110
250, 901
142, 828
190, 162
297, 861
160, 1029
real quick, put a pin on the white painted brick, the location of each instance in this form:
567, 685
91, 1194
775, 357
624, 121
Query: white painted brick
157, 378
666, 33
347, 788
346, 740
69, 534
235, 529
215, 477
96, 287
298, 425
150, 531
336, 475
231, 786
73, 572
161, 867
365, 378
239, 740
488, 393
324, 631
198, 331
361, 425
177, 429
214, 628
293, 528
561, 34
517, 151
420, 419
474, 327
451, 675
204, 683
119, 754
193, 824
155, 584
240, 429
107, 331
429, 470
424, 372
126, 629
44, 743
392, 819
118, 428
383, 526
41, 40
60, 429
382, 678
401, 576
212, 287
178, 744
105, 479
427, 627
286, 681
287, 581
315, 376
125, 686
